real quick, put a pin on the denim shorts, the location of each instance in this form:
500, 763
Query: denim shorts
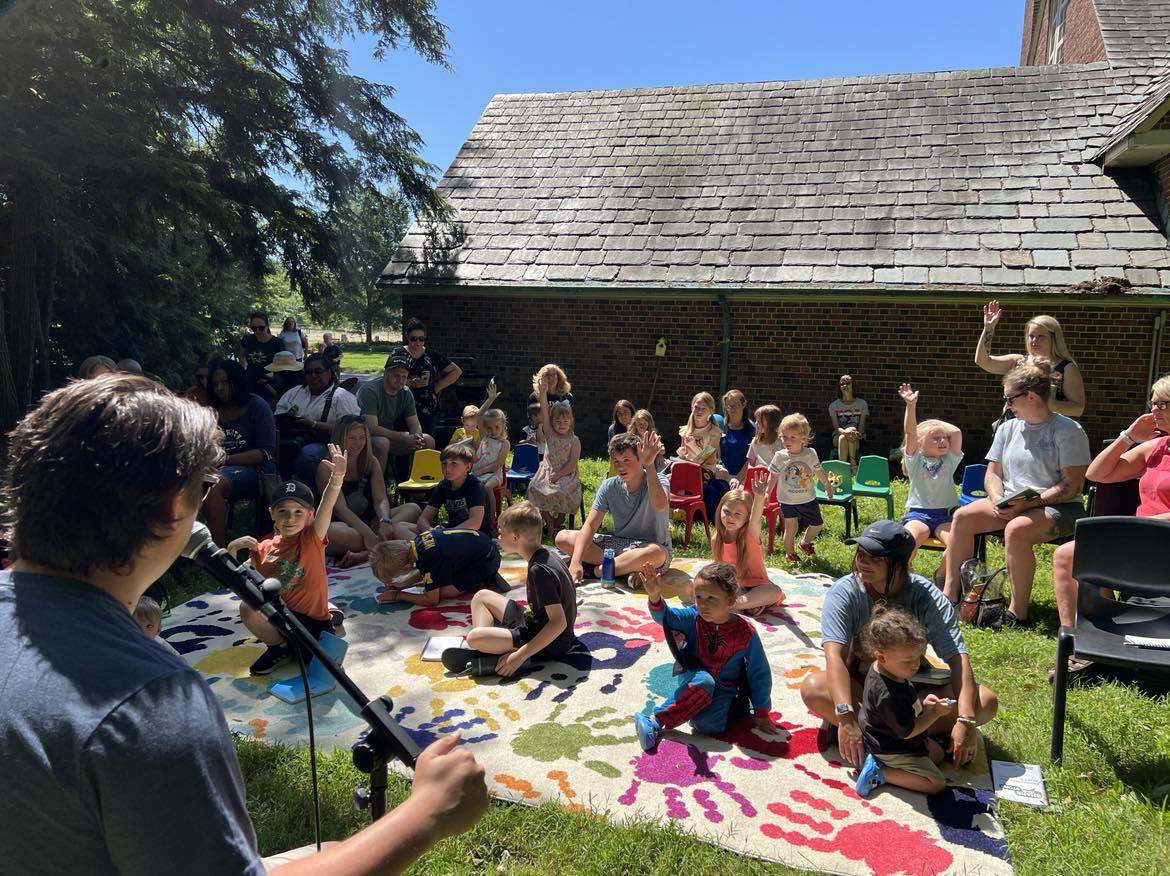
932, 517
620, 545
245, 480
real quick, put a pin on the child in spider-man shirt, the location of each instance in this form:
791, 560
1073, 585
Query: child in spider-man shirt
720, 652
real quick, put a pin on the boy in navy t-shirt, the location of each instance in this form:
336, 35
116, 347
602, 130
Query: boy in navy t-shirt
447, 563
460, 494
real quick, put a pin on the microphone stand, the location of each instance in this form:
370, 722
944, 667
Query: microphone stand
385, 738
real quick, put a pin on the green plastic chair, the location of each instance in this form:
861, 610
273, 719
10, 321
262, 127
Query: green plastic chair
872, 481
841, 476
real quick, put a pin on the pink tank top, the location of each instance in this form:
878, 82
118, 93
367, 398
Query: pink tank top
757, 571
1154, 486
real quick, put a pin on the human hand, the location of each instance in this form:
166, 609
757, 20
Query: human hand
244, 541
991, 315
849, 741
651, 448
1143, 428
1013, 509
734, 484
336, 463
388, 596
550, 382
508, 664
492, 392
576, 571
307, 423
651, 582
448, 786
385, 530
964, 743
763, 721
937, 706
908, 394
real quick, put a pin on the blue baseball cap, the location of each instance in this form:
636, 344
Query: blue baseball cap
885, 538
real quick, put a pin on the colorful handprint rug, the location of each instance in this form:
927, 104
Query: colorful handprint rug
565, 731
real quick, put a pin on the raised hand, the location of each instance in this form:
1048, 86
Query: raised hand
991, 315
336, 462
1143, 428
908, 394
651, 449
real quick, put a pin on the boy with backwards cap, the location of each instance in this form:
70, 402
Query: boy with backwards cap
295, 556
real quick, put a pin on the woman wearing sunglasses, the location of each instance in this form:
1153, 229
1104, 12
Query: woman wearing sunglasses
1035, 471
1142, 450
430, 373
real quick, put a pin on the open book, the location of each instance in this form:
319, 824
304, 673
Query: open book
433, 650
1026, 493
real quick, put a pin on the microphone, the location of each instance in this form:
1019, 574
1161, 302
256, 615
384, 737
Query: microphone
243, 580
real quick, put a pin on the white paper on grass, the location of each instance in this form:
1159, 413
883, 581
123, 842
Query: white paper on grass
436, 645
1019, 782
1148, 642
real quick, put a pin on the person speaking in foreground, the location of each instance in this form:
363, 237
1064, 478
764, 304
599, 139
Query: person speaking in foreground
105, 738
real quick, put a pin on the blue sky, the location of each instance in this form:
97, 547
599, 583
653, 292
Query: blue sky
504, 46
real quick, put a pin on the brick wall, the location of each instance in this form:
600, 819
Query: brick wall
786, 353
1082, 33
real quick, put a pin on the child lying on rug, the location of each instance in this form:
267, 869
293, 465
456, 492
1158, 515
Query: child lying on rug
720, 653
295, 555
893, 722
501, 629
447, 563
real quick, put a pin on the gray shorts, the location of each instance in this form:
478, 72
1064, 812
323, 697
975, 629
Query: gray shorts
620, 545
1064, 517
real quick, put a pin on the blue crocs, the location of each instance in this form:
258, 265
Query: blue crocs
870, 776
648, 731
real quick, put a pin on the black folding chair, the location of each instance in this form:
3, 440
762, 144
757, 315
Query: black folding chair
1132, 556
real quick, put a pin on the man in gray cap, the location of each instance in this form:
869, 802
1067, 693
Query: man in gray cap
383, 401
881, 573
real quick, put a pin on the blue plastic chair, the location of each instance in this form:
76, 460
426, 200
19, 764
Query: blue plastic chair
972, 487
525, 460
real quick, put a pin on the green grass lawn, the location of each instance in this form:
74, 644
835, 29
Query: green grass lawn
363, 361
1108, 811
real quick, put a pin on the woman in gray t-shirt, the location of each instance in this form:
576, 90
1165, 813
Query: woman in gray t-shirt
1035, 472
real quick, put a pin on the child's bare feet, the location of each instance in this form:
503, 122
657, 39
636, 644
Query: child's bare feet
353, 558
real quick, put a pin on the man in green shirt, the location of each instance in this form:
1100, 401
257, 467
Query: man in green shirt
383, 401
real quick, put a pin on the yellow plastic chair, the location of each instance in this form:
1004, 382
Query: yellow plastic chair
425, 473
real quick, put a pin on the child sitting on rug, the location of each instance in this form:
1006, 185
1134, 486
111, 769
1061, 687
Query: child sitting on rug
931, 453
799, 466
720, 653
893, 721
447, 563
737, 541
294, 555
501, 629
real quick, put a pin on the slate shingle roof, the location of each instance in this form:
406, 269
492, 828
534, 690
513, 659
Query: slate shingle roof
964, 179
1135, 31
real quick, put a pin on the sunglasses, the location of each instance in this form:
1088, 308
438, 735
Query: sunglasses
1008, 399
416, 339
257, 328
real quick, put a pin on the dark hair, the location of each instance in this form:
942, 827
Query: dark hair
458, 451
94, 469
258, 314
622, 442
210, 361
897, 568
533, 408
237, 377
411, 324
320, 357
618, 428
890, 627
722, 575
284, 326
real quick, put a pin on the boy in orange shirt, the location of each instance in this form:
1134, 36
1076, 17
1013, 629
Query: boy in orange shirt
295, 556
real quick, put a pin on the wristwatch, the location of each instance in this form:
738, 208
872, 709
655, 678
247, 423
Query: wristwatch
843, 709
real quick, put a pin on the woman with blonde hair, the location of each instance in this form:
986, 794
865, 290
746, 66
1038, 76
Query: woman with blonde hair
1043, 339
552, 380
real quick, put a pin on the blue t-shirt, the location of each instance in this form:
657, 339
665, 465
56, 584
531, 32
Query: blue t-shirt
848, 605
733, 447
107, 742
633, 515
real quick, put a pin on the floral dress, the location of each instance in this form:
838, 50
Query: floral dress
562, 496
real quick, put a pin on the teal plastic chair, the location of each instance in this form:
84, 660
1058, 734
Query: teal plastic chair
872, 481
841, 476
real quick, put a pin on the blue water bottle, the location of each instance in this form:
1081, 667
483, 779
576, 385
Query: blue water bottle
607, 570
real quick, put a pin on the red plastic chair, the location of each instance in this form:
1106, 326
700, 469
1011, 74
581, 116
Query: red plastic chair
771, 504
686, 494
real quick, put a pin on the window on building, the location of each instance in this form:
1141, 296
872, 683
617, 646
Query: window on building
1056, 30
